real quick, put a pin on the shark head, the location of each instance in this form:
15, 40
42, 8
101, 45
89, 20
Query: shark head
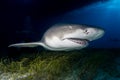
88, 33
71, 36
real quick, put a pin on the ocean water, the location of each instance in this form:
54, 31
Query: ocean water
28, 20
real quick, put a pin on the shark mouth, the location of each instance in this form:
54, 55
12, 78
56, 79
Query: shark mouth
79, 41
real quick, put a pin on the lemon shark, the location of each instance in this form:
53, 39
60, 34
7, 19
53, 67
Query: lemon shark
66, 37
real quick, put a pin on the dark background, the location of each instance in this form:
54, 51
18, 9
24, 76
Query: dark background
27, 20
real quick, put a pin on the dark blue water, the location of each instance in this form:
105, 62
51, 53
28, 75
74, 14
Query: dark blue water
26, 21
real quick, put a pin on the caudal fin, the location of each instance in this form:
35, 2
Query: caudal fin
32, 44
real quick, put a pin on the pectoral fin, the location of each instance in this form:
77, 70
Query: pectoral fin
33, 44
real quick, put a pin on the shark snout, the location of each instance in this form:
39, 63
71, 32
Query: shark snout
98, 33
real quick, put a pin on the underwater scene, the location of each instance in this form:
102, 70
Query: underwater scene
60, 40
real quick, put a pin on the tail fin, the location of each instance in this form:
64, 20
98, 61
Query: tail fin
32, 44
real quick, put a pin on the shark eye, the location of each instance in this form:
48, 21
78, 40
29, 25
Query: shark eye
86, 31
